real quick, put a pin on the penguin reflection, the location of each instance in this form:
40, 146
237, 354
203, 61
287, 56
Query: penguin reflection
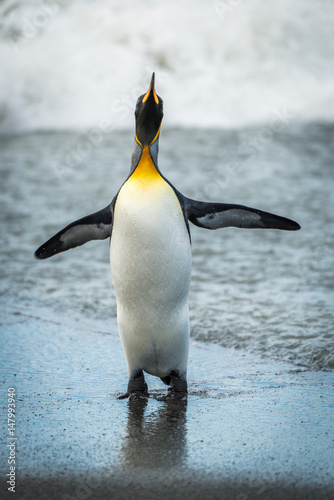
157, 439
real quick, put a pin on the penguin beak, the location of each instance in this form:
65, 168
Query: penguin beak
148, 113
151, 91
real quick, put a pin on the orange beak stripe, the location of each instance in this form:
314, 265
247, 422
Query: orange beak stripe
148, 93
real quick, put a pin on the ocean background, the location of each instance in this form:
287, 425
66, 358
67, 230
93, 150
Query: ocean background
248, 90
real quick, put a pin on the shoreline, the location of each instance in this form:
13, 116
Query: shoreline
252, 427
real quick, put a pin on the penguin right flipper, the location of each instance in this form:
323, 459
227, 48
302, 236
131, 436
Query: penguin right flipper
96, 226
219, 215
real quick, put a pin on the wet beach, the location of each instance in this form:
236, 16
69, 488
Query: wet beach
259, 417
252, 427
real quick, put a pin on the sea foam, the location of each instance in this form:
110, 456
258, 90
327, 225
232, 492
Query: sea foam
226, 63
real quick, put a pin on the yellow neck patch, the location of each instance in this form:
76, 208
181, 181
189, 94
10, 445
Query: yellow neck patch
147, 190
146, 171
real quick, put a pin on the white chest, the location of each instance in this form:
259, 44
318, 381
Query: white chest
150, 259
150, 248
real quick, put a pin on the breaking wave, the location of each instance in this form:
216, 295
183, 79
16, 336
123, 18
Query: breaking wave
225, 63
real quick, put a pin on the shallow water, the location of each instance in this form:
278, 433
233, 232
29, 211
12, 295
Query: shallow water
265, 291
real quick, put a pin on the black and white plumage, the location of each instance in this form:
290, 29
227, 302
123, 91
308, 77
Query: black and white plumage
150, 254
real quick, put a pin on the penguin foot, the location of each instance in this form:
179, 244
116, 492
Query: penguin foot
137, 387
123, 396
138, 395
178, 389
135, 395
176, 396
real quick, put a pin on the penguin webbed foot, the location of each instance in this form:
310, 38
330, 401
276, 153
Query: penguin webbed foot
175, 395
138, 390
178, 389
137, 387
123, 396
136, 395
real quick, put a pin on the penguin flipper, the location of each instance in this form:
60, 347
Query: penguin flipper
219, 215
96, 226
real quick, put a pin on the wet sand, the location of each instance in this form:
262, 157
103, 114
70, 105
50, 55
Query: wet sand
252, 427
162, 486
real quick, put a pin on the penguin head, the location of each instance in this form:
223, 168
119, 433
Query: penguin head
148, 113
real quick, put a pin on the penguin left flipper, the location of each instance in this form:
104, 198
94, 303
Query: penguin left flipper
96, 226
219, 215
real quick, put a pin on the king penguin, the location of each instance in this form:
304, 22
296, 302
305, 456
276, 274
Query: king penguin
150, 254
